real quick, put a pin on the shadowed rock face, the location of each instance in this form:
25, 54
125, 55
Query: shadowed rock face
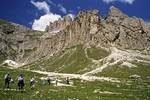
116, 29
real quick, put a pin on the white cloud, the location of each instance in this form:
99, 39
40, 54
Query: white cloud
64, 10
78, 7
148, 22
30, 23
72, 16
41, 23
71, 11
41, 6
124, 1
60, 6
51, 2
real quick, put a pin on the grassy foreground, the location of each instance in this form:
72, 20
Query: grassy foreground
127, 89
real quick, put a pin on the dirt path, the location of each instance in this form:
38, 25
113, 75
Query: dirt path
84, 77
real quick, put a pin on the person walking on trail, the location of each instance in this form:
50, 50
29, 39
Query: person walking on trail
68, 80
7, 79
20, 82
56, 81
31, 82
43, 81
48, 80
65, 80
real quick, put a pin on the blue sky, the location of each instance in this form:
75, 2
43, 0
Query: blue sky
36, 14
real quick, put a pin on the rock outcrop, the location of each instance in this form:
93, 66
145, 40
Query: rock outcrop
127, 32
59, 25
116, 29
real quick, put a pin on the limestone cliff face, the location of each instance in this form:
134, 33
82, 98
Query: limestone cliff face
88, 28
59, 25
16, 41
115, 29
127, 32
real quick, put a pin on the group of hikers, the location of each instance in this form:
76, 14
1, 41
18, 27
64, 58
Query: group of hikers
56, 81
21, 83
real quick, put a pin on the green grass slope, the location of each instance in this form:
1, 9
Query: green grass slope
76, 59
72, 60
124, 72
97, 53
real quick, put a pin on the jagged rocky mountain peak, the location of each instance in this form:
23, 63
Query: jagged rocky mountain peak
114, 12
116, 29
59, 24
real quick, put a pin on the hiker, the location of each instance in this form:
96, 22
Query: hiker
68, 80
20, 82
65, 80
48, 80
31, 82
56, 82
7, 79
43, 81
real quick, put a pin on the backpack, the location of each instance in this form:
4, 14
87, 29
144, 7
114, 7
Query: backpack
11, 81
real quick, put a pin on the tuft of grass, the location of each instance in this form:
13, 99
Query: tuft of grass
48, 38
5, 22
5, 65
97, 53
13, 54
7, 27
28, 51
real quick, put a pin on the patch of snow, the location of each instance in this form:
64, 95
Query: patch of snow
13, 63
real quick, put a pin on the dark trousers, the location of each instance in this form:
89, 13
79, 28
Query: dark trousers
31, 84
67, 81
20, 85
7, 82
48, 81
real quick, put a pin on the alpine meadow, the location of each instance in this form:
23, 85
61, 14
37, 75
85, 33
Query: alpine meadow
87, 58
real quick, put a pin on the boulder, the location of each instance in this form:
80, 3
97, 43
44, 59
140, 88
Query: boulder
135, 76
